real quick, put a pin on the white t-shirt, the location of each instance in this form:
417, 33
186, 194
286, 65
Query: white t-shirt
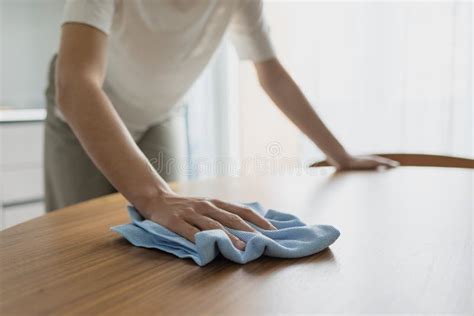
158, 48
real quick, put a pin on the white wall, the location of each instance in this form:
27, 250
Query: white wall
29, 36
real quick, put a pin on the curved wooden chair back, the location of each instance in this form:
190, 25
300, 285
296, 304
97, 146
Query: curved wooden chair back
420, 160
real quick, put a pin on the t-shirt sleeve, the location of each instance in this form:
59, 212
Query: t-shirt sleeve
249, 32
96, 13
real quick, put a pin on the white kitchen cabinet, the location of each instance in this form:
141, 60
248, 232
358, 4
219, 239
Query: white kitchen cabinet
18, 214
30, 32
21, 165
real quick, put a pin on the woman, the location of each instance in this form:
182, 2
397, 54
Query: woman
114, 99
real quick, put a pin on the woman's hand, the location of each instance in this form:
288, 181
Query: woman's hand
367, 163
188, 215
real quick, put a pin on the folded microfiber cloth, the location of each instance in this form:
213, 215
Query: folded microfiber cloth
292, 239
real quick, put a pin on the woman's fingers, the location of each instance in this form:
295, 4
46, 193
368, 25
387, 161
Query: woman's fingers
186, 230
224, 217
206, 223
381, 162
245, 213
230, 220
388, 162
372, 162
187, 216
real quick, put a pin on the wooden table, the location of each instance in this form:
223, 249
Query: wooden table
405, 246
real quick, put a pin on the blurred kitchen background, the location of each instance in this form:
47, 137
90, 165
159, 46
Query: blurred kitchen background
385, 76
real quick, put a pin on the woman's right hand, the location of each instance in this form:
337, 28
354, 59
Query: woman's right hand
188, 215
81, 69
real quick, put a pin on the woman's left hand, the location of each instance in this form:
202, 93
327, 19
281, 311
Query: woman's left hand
368, 163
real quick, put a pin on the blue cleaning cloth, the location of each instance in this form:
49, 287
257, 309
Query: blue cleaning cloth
292, 239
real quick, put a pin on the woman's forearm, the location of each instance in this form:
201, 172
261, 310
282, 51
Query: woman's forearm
101, 132
284, 92
81, 68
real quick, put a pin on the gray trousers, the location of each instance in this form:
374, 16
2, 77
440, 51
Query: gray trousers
71, 176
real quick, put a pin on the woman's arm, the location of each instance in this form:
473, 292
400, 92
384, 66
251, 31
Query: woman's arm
82, 62
281, 88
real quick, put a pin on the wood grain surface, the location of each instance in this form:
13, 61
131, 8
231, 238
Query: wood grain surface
405, 247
